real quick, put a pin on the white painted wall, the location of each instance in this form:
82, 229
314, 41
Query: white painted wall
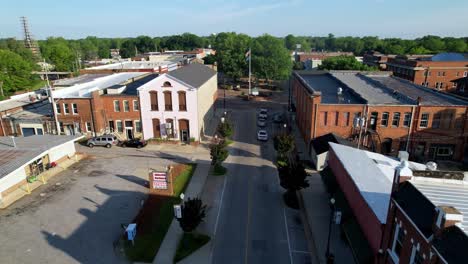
67, 149
11, 179
205, 101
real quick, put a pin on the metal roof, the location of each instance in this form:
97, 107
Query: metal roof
194, 74
450, 56
27, 148
445, 193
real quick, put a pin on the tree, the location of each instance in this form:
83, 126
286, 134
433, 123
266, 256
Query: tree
432, 43
225, 129
218, 153
230, 52
270, 59
292, 178
15, 72
455, 45
330, 42
145, 44
284, 144
298, 65
344, 63
127, 49
210, 59
193, 213
58, 52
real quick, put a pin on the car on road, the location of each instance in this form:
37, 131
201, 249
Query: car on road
278, 118
134, 143
261, 122
104, 140
262, 135
263, 113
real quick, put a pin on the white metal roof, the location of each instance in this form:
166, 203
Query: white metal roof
443, 192
373, 175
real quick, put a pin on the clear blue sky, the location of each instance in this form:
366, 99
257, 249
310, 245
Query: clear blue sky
129, 18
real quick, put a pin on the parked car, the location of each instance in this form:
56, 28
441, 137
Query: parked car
261, 122
263, 113
104, 140
134, 143
262, 135
278, 118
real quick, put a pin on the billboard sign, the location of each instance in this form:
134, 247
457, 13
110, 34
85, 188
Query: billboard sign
160, 180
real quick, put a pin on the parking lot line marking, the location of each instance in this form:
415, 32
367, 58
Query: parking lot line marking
287, 235
300, 251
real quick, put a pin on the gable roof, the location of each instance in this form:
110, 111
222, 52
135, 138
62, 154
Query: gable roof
320, 144
194, 74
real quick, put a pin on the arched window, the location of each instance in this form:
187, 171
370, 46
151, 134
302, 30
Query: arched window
167, 84
168, 100
182, 101
154, 100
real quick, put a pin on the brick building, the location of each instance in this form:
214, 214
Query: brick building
377, 59
438, 72
391, 112
312, 60
108, 104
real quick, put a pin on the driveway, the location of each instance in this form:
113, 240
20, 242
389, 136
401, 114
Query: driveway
76, 217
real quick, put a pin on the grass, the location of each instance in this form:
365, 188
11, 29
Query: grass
229, 142
219, 170
147, 244
189, 243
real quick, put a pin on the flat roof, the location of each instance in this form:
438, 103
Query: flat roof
373, 175
37, 111
375, 88
165, 61
443, 192
27, 148
85, 78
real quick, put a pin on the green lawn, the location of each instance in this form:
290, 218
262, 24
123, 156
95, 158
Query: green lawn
147, 245
189, 243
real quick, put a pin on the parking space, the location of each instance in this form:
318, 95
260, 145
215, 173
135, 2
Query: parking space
76, 217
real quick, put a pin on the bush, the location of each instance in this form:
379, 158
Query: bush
193, 213
284, 144
225, 129
218, 153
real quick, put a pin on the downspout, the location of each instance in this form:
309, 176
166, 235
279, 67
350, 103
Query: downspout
315, 119
410, 128
92, 116
141, 118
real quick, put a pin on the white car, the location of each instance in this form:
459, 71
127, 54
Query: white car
262, 135
261, 122
262, 116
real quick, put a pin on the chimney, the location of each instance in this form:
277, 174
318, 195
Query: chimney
446, 216
403, 171
419, 100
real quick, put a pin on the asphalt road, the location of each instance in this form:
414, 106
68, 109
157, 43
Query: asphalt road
254, 226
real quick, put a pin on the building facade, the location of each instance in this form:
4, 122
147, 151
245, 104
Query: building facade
178, 105
380, 112
438, 72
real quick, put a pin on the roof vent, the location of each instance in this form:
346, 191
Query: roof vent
432, 166
403, 169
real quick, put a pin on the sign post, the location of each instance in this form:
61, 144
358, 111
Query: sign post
160, 180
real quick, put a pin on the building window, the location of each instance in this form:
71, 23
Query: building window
448, 120
111, 126
337, 115
119, 126
169, 128
396, 119
167, 84
407, 119
154, 101
66, 109
323, 118
182, 101
75, 109
345, 121
57, 106
454, 84
136, 106
436, 120
384, 121
443, 73
167, 101
398, 241
126, 106
88, 127
465, 74
459, 121
424, 120
116, 106
137, 126
457, 74
61, 127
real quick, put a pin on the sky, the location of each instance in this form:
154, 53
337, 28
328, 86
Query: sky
131, 18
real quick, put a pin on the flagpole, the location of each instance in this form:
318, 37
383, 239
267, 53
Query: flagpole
250, 69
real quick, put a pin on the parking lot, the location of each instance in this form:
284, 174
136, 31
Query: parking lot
76, 217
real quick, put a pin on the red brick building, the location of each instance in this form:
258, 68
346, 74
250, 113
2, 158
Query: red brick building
377, 59
380, 112
438, 72
112, 106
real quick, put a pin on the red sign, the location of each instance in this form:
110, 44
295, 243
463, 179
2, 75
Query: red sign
160, 180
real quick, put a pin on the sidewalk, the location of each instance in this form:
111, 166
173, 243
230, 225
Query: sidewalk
317, 210
168, 247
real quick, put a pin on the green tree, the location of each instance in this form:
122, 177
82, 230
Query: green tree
15, 72
193, 213
225, 129
270, 59
210, 59
344, 63
292, 178
58, 52
455, 45
145, 44
330, 42
284, 144
432, 43
218, 153
127, 49
230, 52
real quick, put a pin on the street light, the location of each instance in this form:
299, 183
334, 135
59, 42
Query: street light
328, 255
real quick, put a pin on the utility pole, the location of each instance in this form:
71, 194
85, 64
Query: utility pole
250, 71
52, 100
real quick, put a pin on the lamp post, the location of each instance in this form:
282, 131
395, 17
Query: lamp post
328, 255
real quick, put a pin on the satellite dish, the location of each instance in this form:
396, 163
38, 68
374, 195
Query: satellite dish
432, 166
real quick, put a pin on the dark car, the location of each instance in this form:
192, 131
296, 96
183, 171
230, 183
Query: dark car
278, 118
134, 143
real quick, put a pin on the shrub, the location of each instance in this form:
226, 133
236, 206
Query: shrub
218, 153
193, 213
225, 129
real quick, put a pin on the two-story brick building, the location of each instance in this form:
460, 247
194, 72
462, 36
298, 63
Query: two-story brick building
438, 72
380, 112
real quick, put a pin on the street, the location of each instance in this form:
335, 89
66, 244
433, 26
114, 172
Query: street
254, 225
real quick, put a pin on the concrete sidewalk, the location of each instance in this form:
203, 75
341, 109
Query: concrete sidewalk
317, 211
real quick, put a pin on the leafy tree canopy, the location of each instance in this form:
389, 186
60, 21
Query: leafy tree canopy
344, 63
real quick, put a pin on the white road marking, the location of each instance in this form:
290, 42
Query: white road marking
220, 205
287, 235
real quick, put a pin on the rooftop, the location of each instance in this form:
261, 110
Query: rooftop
321, 145
36, 111
27, 148
131, 87
372, 173
154, 63
194, 74
443, 192
448, 56
85, 78
375, 88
